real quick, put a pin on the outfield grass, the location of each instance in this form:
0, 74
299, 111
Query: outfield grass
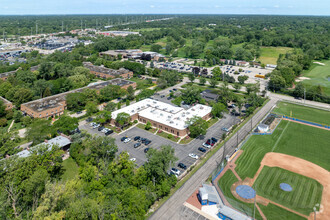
303, 112
274, 212
70, 169
306, 192
306, 142
269, 55
318, 75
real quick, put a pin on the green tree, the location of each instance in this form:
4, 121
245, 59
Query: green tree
155, 48
191, 95
66, 124
123, 118
191, 77
213, 82
76, 101
197, 126
216, 72
39, 130
47, 92
202, 80
2, 109
237, 87
218, 109
148, 125
130, 93
91, 108
242, 79
22, 95
110, 106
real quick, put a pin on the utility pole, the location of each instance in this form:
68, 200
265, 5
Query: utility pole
224, 151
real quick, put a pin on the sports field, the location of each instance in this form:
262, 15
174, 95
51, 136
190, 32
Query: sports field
303, 113
306, 142
269, 55
306, 192
319, 75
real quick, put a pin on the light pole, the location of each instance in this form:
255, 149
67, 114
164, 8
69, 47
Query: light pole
314, 208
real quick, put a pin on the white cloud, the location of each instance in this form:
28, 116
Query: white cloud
217, 6
276, 6
152, 6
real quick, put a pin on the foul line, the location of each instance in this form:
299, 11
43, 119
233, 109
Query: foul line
279, 138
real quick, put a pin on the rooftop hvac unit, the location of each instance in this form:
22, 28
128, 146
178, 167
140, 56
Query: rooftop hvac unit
171, 122
161, 114
201, 107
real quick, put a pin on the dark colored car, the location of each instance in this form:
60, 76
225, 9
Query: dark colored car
162, 96
174, 89
137, 138
169, 98
146, 150
123, 138
79, 112
182, 166
137, 145
147, 142
210, 142
202, 149
100, 128
171, 91
143, 140
89, 119
214, 139
108, 132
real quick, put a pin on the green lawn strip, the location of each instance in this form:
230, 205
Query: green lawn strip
141, 83
301, 189
168, 136
193, 170
212, 121
186, 140
274, 212
112, 128
225, 183
269, 55
303, 112
70, 168
142, 126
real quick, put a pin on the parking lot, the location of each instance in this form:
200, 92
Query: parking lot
181, 151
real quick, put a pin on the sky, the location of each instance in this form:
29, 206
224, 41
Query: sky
276, 7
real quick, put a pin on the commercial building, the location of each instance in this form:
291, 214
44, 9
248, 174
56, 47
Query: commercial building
118, 33
7, 103
164, 116
5, 76
133, 53
105, 73
208, 95
55, 105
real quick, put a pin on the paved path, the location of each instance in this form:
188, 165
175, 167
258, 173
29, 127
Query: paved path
171, 208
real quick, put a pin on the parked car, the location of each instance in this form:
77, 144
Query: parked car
174, 89
225, 129
162, 96
123, 138
182, 166
143, 140
108, 132
127, 140
92, 124
133, 159
214, 139
207, 145
146, 150
193, 156
89, 119
136, 145
147, 142
169, 98
100, 128
202, 149
137, 138
96, 126
79, 112
175, 171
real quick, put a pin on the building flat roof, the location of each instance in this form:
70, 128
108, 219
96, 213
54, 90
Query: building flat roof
102, 69
164, 113
5, 101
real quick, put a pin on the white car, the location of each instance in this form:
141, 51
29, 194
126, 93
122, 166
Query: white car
133, 159
127, 140
193, 156
206, 145
96, 126
175, 171
105, 130
92, 124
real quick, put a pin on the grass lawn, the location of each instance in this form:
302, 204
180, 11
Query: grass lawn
212, 121
168, 136
142, 126
303, 113
272, 211
71, 169
288, 138
225, 182
306, 192
186, 140
318, 75
269, 55
141, 83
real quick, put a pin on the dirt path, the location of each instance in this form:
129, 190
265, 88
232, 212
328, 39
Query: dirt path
307, 124
305, 168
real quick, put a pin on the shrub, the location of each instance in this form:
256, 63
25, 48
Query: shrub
3, 122
135, 121
169, 136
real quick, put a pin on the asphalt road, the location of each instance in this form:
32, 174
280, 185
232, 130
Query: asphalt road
172, 208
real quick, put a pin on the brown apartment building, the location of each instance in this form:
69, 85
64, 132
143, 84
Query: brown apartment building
105, 73
55, 105
9, 105
5, 76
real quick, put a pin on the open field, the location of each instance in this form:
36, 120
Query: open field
303, 112
318, 75
272, 212
306, 142
71, 169
305, 194
269, 55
